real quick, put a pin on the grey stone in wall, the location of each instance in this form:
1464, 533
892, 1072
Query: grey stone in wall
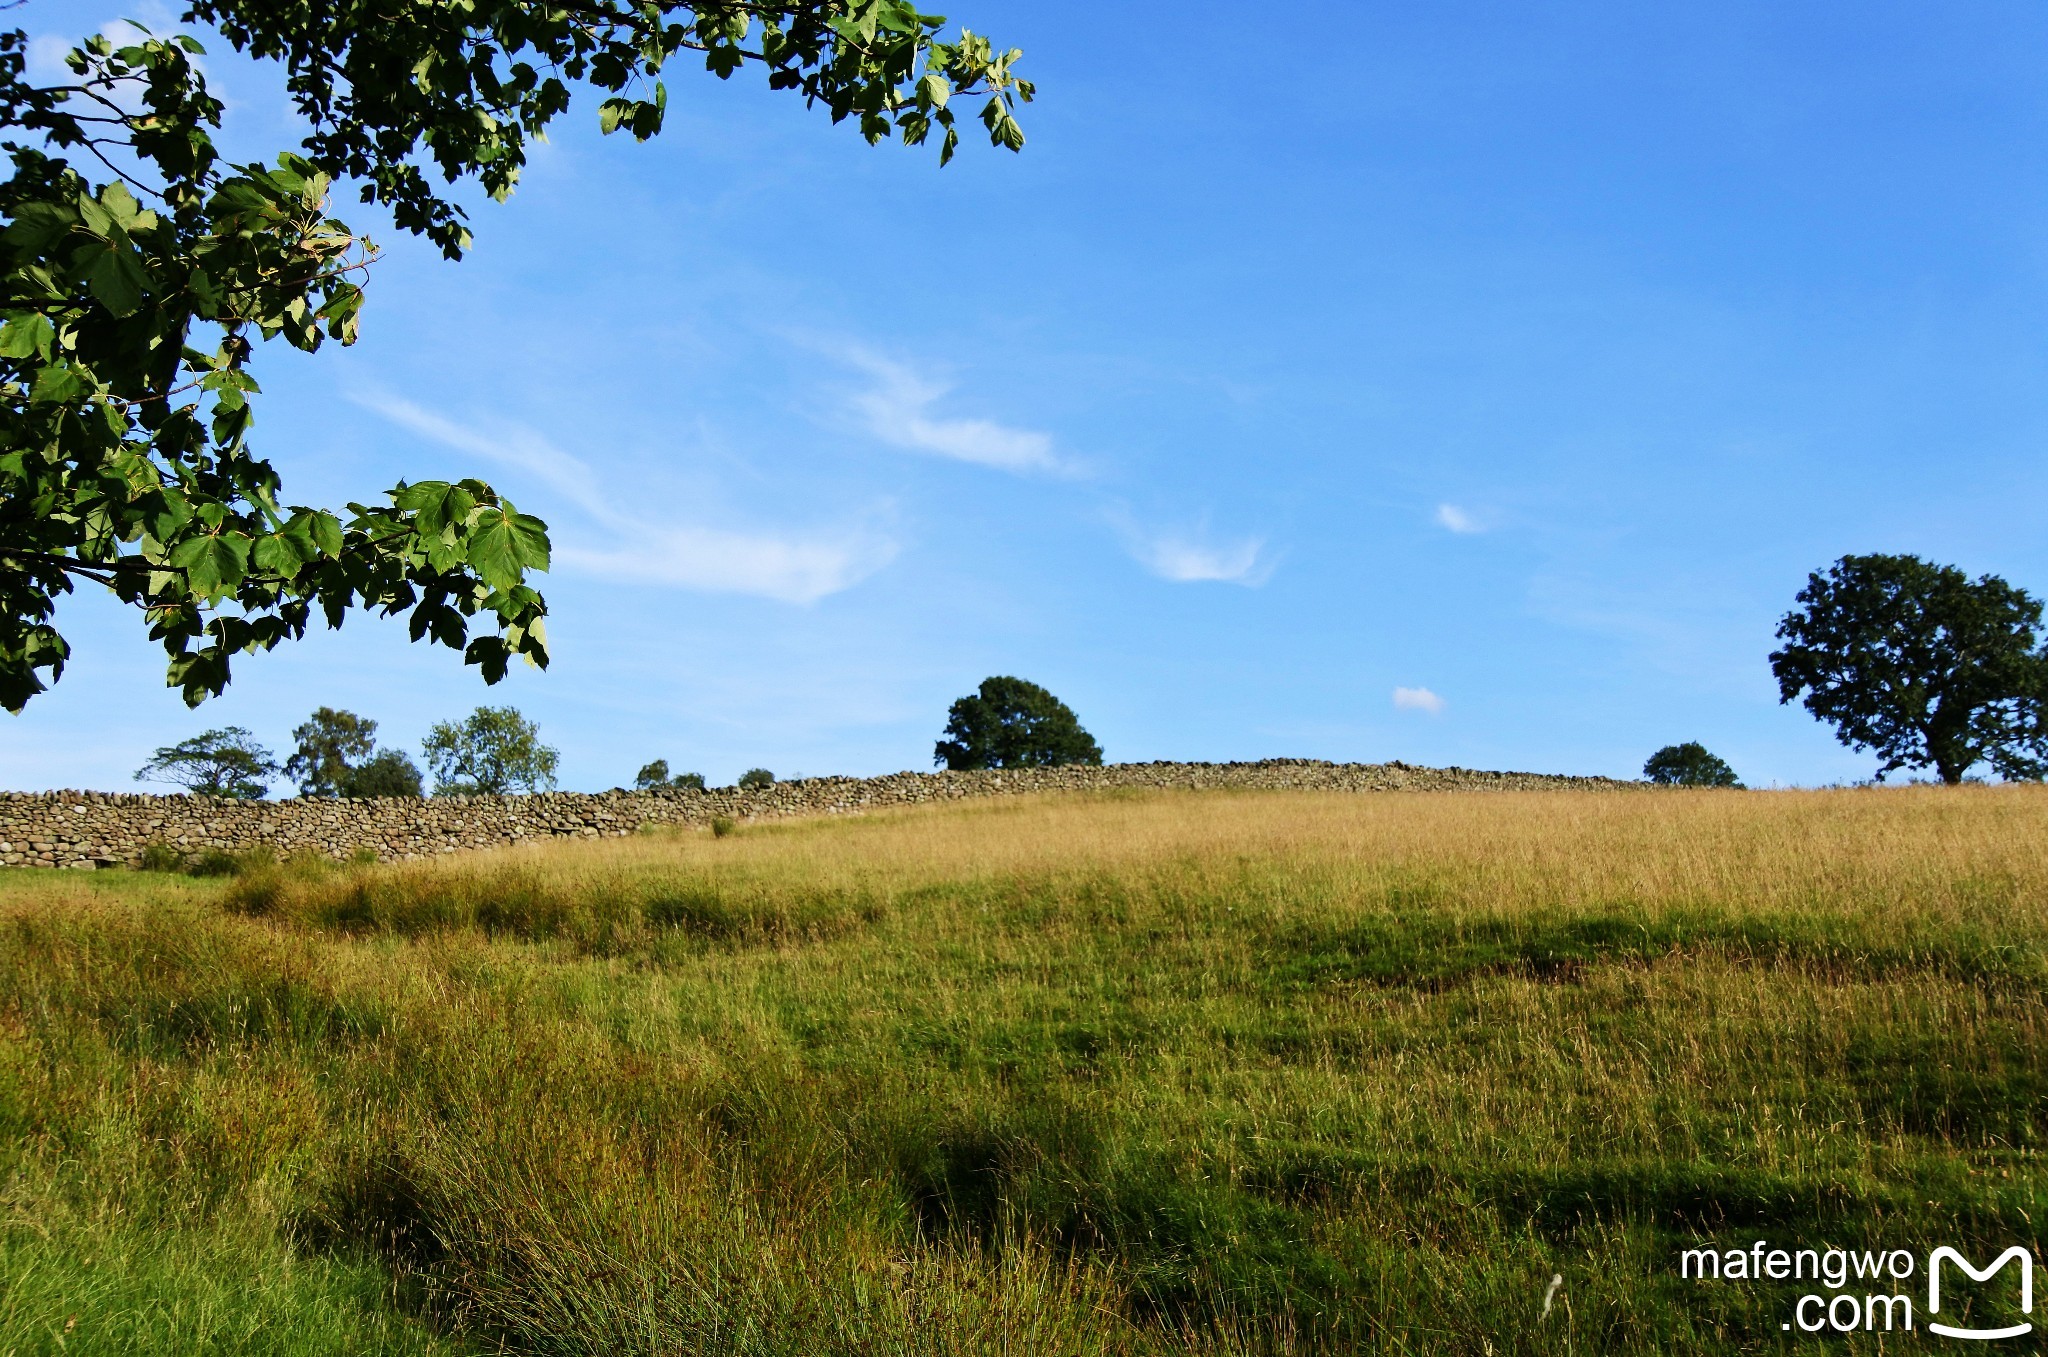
109, 829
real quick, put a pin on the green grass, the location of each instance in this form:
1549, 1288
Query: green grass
1132, 1075
230, 1288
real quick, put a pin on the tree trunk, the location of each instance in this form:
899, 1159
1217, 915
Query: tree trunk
1951, 749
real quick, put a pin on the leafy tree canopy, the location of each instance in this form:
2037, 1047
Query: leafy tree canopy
494, 752
387, 773
656, 775
1009, 723
337, 756
225, 763
1689, 765
330, 744
137, 271
754, 779
1921, 664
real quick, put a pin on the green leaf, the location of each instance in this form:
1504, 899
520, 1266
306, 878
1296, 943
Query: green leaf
448, 506
120, 204
57, 383
230, 425
167, 514
37, 224
504, 544
96, 218
117, 280
282, 553
491, 654
214, 564
325, 530
27, 335
228, 379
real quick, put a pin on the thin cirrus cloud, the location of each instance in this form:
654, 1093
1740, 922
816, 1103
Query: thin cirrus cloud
1458, 520
899, 409
1418, 699
713, 560
1191, 558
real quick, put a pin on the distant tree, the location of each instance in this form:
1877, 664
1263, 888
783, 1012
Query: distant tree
655, 775
756, 778
1689, 765
1009, 723
338, 756
493, 752
1921, 664
330, 744
226, 763
387, 773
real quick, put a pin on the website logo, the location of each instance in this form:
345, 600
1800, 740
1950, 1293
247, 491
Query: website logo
2013, 1254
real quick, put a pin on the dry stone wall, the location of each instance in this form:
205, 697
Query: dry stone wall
111, 829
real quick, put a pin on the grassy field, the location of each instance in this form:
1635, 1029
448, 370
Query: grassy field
1121, 1074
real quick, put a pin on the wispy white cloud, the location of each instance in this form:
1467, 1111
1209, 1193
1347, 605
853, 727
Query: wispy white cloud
1458, 520
45, 57
506, 444
900, 410
1194, 558
716, 560
1185, 562
1418, 699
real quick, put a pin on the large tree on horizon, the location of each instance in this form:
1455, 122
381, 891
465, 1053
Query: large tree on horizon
137, 272
1012, 723
1690, 764
1921, 664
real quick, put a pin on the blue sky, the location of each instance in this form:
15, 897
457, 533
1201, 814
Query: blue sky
1472, 384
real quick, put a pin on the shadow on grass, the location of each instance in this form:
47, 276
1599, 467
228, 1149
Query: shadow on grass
1419, 947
